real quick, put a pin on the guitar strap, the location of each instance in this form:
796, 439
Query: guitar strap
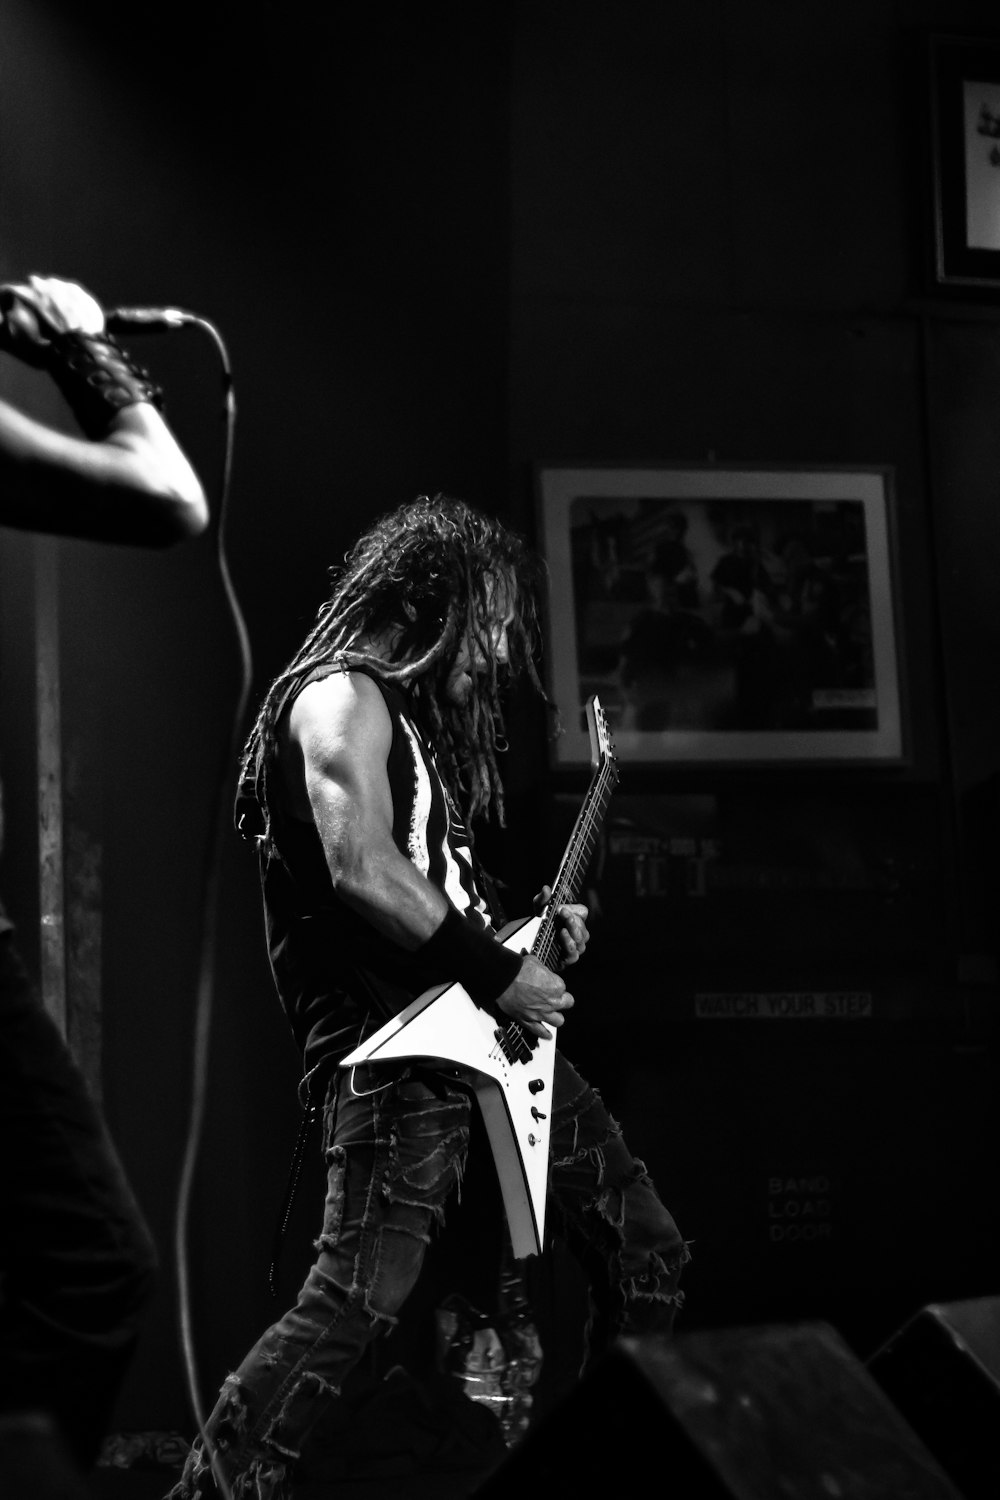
311, 1111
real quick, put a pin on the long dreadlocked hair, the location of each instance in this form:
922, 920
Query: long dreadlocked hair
431, 576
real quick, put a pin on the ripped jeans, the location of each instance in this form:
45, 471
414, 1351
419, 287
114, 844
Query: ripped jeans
394, 1155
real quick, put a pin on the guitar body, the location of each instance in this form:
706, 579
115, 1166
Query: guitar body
514, 1092
510, 1072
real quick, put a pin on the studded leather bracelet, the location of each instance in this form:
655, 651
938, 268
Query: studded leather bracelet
98, 378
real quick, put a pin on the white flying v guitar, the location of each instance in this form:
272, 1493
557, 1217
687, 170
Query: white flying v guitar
510, 1071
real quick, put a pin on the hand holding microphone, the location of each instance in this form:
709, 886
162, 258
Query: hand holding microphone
58, 326
35, 312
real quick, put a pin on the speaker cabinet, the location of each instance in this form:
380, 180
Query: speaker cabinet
942, 1371
732, 1414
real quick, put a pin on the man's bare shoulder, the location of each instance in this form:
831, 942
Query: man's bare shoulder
339, 710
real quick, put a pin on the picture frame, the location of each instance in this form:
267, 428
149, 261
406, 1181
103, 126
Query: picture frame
965, 127
735, 615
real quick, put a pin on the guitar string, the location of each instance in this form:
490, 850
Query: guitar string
592, 812
567, 881
594, 807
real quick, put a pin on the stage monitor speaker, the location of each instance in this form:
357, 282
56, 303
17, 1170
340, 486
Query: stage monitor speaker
768, 1413
942, 1371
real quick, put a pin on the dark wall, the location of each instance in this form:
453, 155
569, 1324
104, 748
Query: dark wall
720, 254
444, 244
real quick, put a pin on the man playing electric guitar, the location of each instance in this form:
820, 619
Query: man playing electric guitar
372, 754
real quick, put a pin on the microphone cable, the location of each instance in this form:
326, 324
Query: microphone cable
126, 321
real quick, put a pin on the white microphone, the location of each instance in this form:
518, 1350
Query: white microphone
135, 320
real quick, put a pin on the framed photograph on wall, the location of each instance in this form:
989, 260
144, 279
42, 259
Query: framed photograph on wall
965, 123
730, 615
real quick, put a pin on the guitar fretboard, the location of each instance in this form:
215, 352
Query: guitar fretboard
511, 1038
576, 860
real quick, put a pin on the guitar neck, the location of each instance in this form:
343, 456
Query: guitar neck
575, 861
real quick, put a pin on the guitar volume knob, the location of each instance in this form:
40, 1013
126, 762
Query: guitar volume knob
536, 1086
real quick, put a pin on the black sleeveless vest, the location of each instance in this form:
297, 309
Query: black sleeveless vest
337, 978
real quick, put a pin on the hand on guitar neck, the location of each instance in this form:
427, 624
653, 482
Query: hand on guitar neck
538, 998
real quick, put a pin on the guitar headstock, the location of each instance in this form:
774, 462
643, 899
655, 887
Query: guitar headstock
602, 746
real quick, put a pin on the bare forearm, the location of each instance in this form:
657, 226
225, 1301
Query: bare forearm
415, 915
391, 895
125, 479
135, 486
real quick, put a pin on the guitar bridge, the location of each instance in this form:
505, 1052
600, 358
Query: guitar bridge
513, 1043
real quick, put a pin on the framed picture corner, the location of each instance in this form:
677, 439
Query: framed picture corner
964, 90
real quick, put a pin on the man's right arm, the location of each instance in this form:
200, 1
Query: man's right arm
134, 486
334, 759
334, 756
127, 482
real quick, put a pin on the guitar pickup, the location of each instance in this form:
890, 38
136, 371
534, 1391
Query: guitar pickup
513, 1043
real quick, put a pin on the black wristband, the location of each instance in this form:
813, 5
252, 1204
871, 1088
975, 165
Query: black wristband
477, 961
98, 378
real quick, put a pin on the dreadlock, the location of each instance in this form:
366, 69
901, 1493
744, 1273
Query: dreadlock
431, 575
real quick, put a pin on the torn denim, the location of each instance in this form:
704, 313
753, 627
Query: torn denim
396, 1142
606, 1207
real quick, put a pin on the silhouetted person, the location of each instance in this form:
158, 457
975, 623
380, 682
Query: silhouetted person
76, 1258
